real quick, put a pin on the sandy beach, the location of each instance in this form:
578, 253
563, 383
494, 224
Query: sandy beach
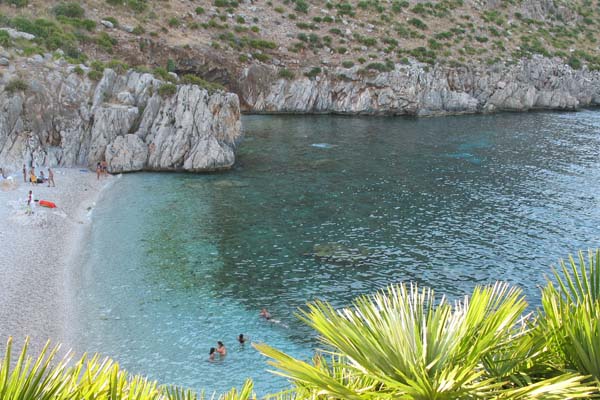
38, 253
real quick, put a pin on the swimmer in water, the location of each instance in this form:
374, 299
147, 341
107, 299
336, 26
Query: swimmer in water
265, 314
242, 339
211, 354
221, 349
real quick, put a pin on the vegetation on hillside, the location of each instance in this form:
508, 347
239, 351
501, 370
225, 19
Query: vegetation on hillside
400, 343
302, 34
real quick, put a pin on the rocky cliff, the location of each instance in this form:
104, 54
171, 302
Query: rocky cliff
416, 89
52, 114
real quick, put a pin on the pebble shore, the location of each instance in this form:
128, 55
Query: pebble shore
39, 254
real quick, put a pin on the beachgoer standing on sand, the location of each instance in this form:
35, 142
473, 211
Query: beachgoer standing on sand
2, 176
242, 339
104, 166
98, 171
265, 314
30, 203
221, 349
51, 177
211, 354
24, 174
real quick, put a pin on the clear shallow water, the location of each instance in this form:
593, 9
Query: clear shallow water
331, 208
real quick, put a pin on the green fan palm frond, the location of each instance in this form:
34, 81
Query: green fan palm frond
45, 378
570, 316
246, 393
410, 344
31, 379
322, 379
561, 387
177, 393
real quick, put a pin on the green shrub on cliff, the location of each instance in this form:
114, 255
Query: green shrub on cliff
417, 23
301, 6
95, 75
171, 65
285, 73
18, 3
71, 10
5, 40
137, 5
105, 41
167, 89
574, 62
211, 87
313, 72
118, 66
16, 85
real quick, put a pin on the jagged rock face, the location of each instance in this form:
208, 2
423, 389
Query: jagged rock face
64, 119
538, 83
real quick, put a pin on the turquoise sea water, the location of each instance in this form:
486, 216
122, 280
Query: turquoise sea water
331, 208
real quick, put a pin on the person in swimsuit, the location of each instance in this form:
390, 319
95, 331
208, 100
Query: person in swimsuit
211, 354
51, 178
32, 177
24, 174
242, 339
98, 171
221, 349
30, 203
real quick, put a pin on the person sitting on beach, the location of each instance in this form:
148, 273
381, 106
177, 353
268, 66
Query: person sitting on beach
211, 354
242, 339
265, 314
41, 178
221, 349
32, 177
51, 178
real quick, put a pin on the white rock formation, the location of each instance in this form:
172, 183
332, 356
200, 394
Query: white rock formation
416, 89
64, 119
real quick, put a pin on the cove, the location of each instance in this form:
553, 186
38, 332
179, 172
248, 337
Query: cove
328, 207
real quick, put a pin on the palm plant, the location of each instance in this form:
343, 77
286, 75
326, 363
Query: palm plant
403, 343
46, 378
570, 317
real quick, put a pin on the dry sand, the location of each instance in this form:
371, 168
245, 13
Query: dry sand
39, 251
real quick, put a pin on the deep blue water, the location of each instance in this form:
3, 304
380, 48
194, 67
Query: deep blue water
329, 207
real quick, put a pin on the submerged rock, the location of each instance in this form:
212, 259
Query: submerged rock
64, 119
228, 183
337, 253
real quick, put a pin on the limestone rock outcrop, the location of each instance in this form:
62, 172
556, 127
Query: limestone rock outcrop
64, 119
416, 89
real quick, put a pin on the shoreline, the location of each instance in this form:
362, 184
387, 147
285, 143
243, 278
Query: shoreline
39, 255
